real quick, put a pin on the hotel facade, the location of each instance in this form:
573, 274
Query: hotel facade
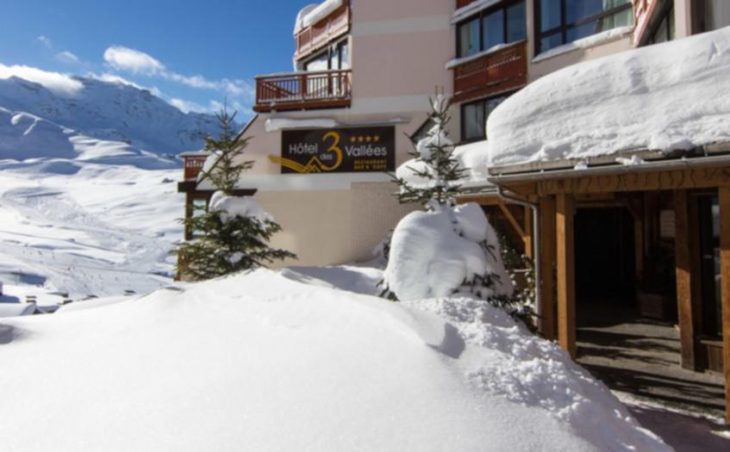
325, 135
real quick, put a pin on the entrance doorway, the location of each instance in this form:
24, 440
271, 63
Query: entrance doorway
626, 327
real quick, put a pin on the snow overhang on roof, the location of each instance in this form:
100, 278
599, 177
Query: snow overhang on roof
313, 13
662, 99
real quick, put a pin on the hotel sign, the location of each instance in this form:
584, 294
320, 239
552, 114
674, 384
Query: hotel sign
346, 150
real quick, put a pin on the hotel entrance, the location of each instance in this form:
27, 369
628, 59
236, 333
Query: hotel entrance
627, 325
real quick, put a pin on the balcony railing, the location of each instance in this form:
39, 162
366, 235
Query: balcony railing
493, 73
317, 35
304, 91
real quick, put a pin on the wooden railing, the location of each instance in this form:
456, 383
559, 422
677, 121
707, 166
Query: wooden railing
303, 91
493, 73
463, 3
317, 35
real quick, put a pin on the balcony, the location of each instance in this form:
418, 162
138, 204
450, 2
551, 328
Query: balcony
323, 32
303, 91
491, 73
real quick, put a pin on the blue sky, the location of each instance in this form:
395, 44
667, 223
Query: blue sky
192, 52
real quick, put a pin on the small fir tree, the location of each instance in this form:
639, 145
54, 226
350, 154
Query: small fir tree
435, 164
226, 242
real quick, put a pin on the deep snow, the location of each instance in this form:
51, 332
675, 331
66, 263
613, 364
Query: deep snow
87, 229
267, 362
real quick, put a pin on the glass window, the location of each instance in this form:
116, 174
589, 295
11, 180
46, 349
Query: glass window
474, 118
493, 29
344, 56
489, 28
319, 63
469, 38
549, 14
516, 29
473, 122
717, 14
565, 21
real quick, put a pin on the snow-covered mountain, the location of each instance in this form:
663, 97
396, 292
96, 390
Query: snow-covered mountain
36, 122
87, 194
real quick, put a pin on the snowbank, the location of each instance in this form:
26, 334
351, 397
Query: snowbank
242, 206
433, 253
261, 362
664, 97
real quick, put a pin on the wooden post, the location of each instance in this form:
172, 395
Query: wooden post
547, 268
687, 276
565, 245
529, 244
725, 288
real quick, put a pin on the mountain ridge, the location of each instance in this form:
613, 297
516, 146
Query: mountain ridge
36, 122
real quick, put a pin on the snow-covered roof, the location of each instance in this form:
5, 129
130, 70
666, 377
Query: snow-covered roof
313, 13
666, 97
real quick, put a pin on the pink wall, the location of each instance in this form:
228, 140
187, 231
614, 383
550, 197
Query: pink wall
375, 10
401, 64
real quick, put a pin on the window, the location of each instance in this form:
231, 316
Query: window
199, 208
664, 30
564, 21
712, 14
474, 118
334, 57
491, 27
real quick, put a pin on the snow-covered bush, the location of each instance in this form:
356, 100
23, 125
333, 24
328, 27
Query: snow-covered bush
234, 233
447, 249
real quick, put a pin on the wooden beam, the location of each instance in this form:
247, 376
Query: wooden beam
687, 276
565, 245
629, 181
511, 218
548, 327
725, 288
527, 237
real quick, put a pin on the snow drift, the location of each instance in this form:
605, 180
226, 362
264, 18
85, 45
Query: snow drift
261, 362
665, 97
433, 253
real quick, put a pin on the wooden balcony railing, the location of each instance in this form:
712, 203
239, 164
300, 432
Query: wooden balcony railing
494, 73
317, 35
304, 91
463, 3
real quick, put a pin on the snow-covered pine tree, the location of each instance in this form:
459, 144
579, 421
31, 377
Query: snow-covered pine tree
234, 233
448, 249
433, 164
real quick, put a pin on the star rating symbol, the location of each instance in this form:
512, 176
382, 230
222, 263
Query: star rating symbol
365, 139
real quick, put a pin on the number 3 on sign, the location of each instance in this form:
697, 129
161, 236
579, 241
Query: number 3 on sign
334, 148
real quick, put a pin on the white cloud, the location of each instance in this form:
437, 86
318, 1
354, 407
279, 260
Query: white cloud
60, 84
46, 41
212, 107
67, 57
126, 59
138, 62
188, 106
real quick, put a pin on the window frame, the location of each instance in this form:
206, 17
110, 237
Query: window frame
485, 102
562, 29
334, 50
666, 15
480, 16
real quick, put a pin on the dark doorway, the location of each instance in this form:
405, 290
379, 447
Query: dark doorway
604, 259
619, 340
